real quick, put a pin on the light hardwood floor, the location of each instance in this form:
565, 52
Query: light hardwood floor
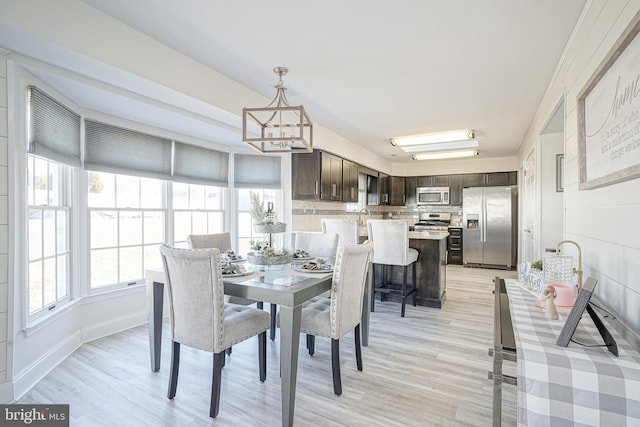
427, 369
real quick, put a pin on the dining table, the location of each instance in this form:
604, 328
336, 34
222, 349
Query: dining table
287, 287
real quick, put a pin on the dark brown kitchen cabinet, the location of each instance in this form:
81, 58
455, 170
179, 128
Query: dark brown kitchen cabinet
455, 190
305, 176
316, 175
330, 177
410, 184
473, 180
433, 181
384, 187
349, 181
490, 179
497, 178
396, 191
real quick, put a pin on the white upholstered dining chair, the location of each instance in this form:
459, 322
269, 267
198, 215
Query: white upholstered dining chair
391, 248
346, 229
221, 241
317, 244
201, 319
336, 315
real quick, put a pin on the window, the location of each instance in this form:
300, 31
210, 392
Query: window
49, 211
197, 209
245, 226
126, 222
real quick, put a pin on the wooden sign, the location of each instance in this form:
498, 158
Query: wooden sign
609, 116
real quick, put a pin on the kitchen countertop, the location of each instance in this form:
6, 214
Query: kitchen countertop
428, 235
424, 235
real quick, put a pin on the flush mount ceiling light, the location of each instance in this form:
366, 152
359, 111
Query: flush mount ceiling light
280, 127
472, 143
433, 138
445, 155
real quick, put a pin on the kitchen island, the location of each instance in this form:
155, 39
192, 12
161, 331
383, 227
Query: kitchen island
431, 268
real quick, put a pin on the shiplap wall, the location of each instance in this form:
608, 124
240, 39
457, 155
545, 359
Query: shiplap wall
4, 218
603, 221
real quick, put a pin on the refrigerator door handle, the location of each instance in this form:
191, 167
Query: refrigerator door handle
483, 222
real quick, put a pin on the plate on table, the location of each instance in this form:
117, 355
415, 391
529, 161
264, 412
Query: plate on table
302, 258
312, 267
236, 260
237, 274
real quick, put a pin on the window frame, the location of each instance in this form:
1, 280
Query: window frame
163, 209
65, 204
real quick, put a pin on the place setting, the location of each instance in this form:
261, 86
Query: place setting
230, 269
319, 265
232, 257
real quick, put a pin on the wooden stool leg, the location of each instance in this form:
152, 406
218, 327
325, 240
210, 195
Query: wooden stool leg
404, 290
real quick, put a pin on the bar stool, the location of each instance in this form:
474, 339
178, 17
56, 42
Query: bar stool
391, 248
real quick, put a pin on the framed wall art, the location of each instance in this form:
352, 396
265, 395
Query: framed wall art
609, 115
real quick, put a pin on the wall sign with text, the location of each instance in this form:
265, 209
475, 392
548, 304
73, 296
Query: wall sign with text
609, 115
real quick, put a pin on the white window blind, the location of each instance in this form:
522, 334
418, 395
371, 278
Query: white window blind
198, 165
255, 171
54, 130
117, 150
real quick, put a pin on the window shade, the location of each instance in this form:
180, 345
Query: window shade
117, 150
197, 165
256, 171
54, 130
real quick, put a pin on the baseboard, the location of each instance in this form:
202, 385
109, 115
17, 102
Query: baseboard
35, 372
113, 326
6, 393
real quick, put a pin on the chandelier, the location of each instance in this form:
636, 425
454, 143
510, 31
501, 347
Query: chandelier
278, 127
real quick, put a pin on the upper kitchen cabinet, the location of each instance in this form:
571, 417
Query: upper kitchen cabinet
330, 177
316, 175
410, 184
455, 190
502, 178
489, 179
397, 186
384, 188
433, 181
305, 176
349, 181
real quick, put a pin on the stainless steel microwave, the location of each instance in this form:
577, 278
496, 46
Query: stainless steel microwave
432, 196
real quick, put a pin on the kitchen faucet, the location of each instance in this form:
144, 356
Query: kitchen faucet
363, 210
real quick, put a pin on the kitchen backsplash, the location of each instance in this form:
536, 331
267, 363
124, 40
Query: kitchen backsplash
306, 215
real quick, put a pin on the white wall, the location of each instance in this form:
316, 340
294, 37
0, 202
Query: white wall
602, 221
551, 201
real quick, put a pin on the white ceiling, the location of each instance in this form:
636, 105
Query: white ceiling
372, 70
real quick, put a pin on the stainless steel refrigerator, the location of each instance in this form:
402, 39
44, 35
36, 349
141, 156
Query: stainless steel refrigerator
489, 237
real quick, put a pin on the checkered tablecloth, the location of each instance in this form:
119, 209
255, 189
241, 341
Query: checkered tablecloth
574, 385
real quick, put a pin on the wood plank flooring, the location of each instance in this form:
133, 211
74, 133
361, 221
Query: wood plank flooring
427, 369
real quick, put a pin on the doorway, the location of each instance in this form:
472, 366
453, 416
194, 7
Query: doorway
551, 180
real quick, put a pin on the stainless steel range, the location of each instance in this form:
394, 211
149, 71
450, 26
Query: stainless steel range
433, 221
